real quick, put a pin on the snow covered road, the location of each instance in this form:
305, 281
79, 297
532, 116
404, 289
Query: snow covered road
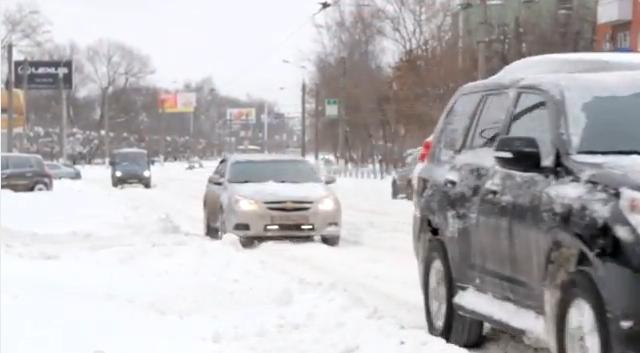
89, 268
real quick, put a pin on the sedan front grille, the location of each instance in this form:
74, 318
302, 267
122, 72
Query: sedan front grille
289, 206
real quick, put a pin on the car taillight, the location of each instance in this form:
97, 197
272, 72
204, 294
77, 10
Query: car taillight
424, 152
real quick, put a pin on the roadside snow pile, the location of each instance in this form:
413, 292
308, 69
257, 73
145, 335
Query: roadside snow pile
89, 268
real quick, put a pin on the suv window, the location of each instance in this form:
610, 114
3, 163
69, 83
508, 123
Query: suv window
489, 123
455, 125
21, 162
532, 119
5, 163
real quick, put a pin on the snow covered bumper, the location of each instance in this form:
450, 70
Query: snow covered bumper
284, 220
620, 288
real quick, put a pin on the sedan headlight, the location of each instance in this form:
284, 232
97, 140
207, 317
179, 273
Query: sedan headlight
327, 204
630, 206
246, 204
118, 173
146, 173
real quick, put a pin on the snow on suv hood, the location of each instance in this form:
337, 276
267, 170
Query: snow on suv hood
272, 191
617, 171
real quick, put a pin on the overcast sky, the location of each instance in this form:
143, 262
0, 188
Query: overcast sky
240, 43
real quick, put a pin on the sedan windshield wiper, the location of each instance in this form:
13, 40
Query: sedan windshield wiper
621, 152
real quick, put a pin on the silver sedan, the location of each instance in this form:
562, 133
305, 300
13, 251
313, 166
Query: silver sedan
262, 197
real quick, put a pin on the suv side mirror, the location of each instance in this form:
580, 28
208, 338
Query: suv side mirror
215, 180
329, 179
518, 153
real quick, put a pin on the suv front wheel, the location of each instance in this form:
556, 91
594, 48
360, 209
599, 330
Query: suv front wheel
582, 325
442, 318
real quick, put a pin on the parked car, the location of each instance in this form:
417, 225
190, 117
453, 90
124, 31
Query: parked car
63, 171
529, 210
402, 183
262, 197
130, 166
24, 172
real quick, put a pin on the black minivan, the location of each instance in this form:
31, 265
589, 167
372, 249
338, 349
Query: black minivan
25, 172
130, 166
528, 212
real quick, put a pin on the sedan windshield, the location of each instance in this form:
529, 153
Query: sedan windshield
281, 171
605, 118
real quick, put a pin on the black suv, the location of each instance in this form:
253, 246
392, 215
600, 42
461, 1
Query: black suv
528, 212
130, 166
25, 172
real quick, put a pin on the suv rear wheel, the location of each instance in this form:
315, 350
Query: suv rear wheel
442, 318
582, 325
40, 187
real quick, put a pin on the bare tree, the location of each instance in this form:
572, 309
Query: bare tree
23, 24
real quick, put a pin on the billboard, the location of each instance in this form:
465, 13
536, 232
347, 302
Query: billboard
43, 74
241, 115
178, 102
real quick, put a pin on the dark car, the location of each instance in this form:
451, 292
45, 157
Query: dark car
25, 172
528, 212
401, 183
130, 166
63, 171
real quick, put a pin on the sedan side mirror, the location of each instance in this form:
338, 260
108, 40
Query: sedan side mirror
518, 153
215, 180
329, 179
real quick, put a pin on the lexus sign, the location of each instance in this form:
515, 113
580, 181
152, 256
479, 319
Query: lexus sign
40, 74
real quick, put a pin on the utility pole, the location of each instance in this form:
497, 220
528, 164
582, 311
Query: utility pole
341, 108
316, 123
10, 97
303, 137
25, 89
163, 130
63, 115
266, 127
106, 126
483, 43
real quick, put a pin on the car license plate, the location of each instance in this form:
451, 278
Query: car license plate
289, 219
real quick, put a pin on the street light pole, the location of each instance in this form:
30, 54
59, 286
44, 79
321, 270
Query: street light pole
316, 122
303, 137
483, 42
63, 115
10, 97
266, 127
341, 108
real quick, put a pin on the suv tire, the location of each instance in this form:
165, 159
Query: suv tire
40, 186
442, 318
581, 296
